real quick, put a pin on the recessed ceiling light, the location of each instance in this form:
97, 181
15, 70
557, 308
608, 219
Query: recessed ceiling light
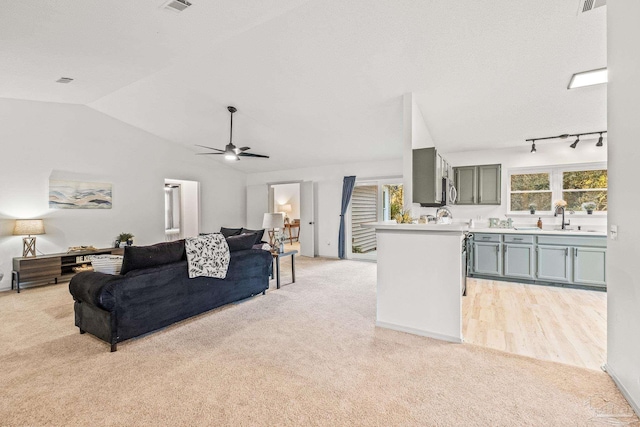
64, 80
588, 78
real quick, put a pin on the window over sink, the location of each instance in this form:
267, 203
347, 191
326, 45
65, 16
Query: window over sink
576, 184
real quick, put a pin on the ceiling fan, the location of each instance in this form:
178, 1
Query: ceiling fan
231, 152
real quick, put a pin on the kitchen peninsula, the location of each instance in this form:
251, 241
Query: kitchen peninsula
420, 278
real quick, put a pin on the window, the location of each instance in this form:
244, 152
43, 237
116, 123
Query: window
585, 186
576, 184
530, 188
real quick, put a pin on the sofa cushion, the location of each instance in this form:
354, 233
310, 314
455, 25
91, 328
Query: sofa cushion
241, 242
227, 232
257, 233
137, 257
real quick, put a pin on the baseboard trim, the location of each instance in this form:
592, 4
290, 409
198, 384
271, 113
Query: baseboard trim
635, 406
420, 332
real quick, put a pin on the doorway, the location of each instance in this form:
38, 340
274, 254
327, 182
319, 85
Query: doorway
285, 198
181, 209
371, 201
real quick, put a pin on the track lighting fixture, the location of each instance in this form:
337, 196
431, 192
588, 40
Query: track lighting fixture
574, 144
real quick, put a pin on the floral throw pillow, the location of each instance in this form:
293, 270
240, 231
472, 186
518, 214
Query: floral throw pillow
207, 256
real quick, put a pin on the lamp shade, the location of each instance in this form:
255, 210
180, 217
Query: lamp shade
28, 227
273, 220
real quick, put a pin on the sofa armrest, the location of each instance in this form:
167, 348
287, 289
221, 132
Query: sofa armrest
95, 288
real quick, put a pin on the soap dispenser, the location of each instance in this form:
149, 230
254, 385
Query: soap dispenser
539, 223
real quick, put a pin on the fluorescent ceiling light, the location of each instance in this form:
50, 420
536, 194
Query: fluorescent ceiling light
588, 78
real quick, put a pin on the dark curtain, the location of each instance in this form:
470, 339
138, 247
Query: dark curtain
347, 189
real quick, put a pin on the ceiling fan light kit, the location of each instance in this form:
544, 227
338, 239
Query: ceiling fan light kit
231, 152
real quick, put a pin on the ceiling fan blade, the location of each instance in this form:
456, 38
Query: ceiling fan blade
252, 155
208, 154
210, 148
241, 149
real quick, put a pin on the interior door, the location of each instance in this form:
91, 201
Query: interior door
307, 220
257, 205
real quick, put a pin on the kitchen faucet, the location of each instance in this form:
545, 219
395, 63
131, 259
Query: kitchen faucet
564, 225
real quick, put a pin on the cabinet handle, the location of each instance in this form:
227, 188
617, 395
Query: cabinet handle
486, 238
575, 252
566, 251
497, 249
517, 238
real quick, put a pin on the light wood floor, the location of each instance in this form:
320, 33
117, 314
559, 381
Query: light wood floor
563, 325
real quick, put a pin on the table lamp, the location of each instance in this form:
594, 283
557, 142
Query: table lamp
286, 209
273, 221
29, 227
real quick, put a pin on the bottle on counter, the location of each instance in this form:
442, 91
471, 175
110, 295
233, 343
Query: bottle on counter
539, 224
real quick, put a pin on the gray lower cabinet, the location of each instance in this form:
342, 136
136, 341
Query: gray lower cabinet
589, 266
554, 263
487, 258
556, 259
519, 261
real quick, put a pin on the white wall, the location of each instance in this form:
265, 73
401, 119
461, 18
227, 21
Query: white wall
555, 153
623, 282
288, 194
42, 140
328, 189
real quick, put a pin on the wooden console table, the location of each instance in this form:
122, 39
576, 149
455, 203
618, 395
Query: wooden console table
45, 268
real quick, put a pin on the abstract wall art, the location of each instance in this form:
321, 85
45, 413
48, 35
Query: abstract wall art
79, 195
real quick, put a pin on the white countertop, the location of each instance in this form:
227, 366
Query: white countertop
463, 227
537, 231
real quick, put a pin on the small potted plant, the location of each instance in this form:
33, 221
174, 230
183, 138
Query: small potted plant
589, 207
404, 217
532, 208
124, 239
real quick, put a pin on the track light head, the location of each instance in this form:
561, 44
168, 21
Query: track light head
599, 143
533, 146
575, 143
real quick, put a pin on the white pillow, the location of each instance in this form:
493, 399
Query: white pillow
109, 264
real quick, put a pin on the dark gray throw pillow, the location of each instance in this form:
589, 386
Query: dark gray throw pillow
227, 232
137, 257
258, 234
241, 242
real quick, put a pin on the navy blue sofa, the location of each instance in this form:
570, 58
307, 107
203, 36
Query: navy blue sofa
154, 291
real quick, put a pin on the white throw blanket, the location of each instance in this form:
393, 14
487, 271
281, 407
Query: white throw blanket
207, 256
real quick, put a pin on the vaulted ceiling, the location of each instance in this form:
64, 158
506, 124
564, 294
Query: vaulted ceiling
315, 82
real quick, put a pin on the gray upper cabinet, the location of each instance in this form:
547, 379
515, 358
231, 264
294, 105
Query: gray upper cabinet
589, 266
479, 184
489, 189
429, 168
466, 185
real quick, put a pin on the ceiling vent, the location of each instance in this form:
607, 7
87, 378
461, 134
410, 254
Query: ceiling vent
176, 5
588, 5
64, 80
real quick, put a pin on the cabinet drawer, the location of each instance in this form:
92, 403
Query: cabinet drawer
518, 238
38, 268
486, 237
600, 242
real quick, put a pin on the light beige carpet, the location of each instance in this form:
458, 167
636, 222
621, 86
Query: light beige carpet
307, 354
